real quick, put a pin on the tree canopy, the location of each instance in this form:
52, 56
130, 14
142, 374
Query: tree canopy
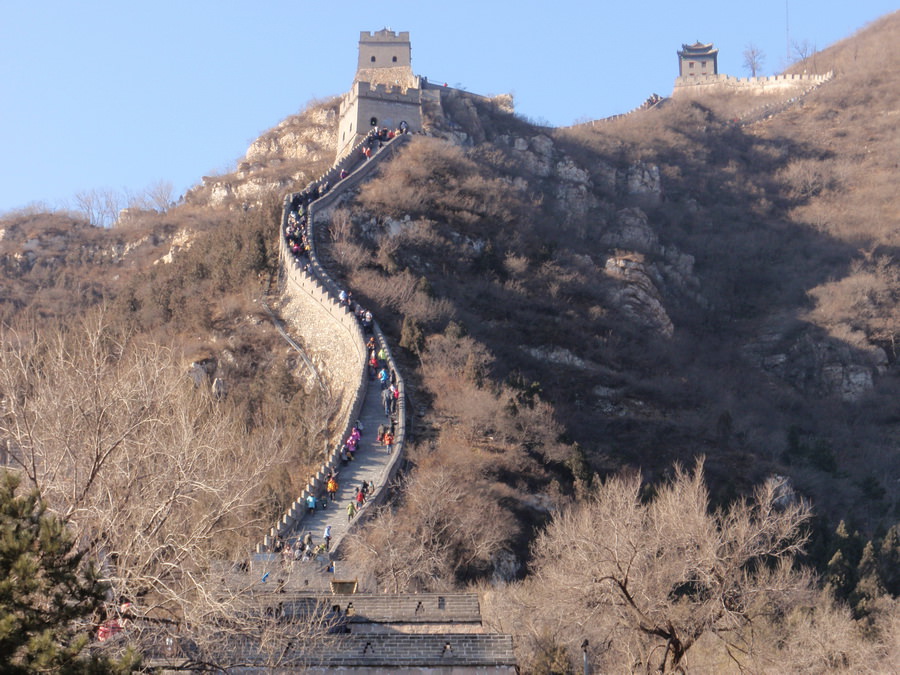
48, 594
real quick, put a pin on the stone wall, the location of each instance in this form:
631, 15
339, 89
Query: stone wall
687, 87
416, 653
389, 105
334, 336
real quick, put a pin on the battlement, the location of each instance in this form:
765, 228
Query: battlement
387, 91
459, 609
698, 84
383, 35
714, 79
380, 92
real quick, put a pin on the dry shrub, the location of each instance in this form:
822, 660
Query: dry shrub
455, 366
807, 178
347, 252
402, 294
446, 531
435, 179
516, 265
862, 304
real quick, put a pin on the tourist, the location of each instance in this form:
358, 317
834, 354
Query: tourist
331, 487
394, 395
351, 510
387, 400
327, 537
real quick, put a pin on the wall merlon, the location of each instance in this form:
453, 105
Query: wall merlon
383, 36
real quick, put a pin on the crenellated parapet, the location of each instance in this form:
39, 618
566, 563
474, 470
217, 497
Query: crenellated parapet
380, 92
693, 85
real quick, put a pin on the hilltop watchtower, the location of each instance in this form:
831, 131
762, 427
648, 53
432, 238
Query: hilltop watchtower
384, 49
384, 92
698, 59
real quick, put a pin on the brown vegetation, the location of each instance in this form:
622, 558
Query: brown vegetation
771, 248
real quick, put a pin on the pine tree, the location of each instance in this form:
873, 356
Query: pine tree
889, 560
869, 587
839, 576
47, 593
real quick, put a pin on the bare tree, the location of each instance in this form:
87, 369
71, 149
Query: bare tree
646, 580
159, 195
802, 50
155, 197
753, 59
100, 207
160, 481
443, 528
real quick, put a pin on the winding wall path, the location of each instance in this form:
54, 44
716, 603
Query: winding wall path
332, 330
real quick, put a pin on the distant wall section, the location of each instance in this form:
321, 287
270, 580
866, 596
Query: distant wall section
697, 86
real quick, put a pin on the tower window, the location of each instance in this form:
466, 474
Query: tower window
373, 59
394, 59
373, 122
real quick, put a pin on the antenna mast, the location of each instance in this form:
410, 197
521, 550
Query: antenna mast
787, 35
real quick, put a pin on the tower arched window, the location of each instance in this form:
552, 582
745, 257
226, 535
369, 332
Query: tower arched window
373, 59
394, 59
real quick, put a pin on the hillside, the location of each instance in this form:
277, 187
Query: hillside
567, 304
660, 281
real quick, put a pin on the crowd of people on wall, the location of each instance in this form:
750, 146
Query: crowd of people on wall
298, 235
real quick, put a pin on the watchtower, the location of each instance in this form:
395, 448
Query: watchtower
698, 59
384, 49
384, 92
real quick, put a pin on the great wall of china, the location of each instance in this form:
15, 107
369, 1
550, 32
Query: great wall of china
699, 86
688, 87
333, 333
396, 633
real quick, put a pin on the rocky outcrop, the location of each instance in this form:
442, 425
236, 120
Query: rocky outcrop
310, 137
643, 180
816, 364
637, 297
291, 154
647, 270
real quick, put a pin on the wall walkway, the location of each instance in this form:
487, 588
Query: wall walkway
332, 331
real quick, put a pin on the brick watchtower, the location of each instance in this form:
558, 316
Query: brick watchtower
384, 49
698, 59
384, 92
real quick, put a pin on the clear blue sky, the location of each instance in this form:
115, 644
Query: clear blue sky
119, 95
